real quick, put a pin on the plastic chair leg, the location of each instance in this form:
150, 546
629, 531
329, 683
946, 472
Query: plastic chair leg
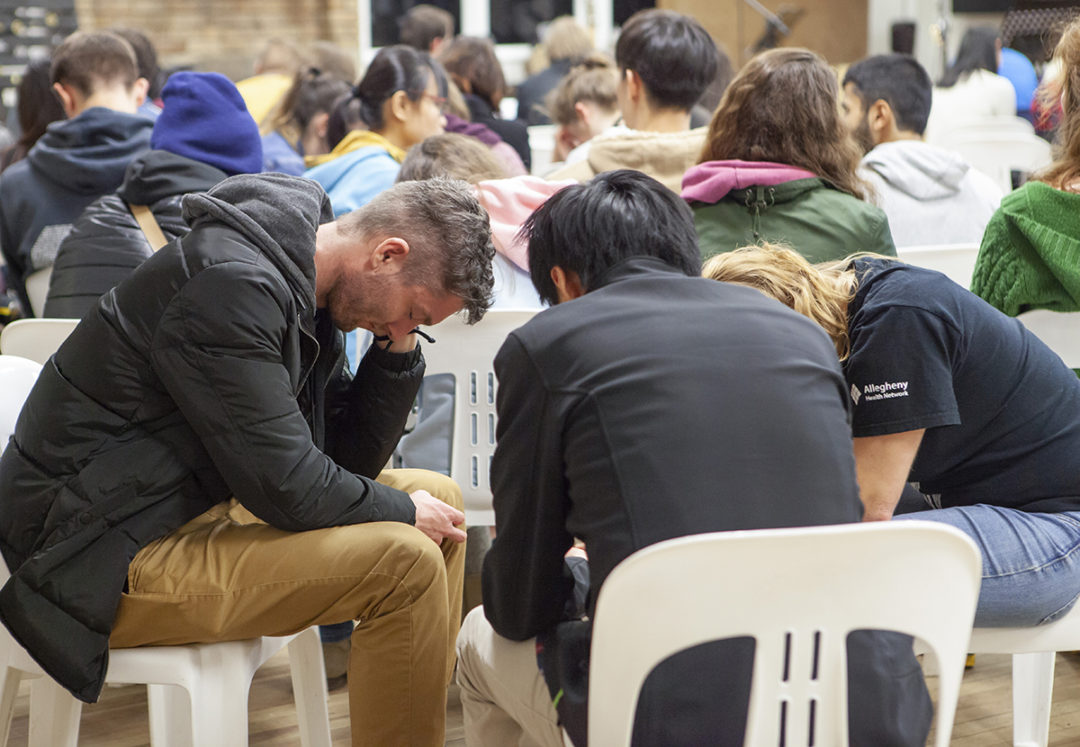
54, 715
309, 689
170, 716
1032, 689
9, 690
219, 698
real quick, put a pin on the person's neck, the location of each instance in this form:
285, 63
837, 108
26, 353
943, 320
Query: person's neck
116, 99
663, 120
905, 135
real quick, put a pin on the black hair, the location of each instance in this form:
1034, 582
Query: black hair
898, 80
38, 106
145, 58
978, 51
588, 228
396, 68
673, 55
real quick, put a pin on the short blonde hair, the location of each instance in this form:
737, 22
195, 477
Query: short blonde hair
819, 292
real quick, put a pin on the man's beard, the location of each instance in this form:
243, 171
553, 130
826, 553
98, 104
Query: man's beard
862, 136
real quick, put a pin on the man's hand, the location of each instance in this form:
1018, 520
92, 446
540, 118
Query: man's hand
401, 345
436, 519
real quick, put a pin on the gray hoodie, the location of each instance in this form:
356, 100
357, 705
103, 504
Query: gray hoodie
931, 195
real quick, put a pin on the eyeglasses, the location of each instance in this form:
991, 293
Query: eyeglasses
439, 101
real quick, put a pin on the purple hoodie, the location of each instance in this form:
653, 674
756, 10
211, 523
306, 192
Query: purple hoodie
711, 181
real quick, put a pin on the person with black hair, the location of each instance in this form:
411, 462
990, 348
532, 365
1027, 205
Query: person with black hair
971, 90
147, 61
426, 28
666, 60
931, 195
300, 123
398, 103
626, 419
96, 78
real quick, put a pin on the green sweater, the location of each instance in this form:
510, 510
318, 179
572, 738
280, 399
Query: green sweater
809, 215
1030, 253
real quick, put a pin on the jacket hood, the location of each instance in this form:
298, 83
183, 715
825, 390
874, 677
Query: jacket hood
665, 156
713, 180
158, 174
292, 208
354, 141
509, 202
88, 154
917, 169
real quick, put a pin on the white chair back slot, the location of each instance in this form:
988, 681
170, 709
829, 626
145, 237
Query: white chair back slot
919, 578
957, 261
36, 339
468, 352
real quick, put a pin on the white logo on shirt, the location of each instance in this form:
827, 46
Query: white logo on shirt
884, 390
855, 394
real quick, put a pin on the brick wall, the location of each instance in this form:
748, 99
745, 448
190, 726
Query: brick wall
224, 35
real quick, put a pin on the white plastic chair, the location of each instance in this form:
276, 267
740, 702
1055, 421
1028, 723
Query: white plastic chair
542, 146
1059, 330
469, 353
783, 587
956, 261
197, 694
998, 146
37, 288
36, 339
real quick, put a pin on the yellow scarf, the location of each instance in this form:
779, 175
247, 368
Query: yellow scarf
353, 141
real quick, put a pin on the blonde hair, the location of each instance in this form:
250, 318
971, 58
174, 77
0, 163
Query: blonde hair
595, 80
1064, 87
567, 40
820, 292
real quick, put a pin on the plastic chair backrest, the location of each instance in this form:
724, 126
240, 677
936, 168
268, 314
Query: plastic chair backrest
1060, 330
957, 261
999, 146
37, 288
36, 339
798, 592
542, 147
17, 377
469, 353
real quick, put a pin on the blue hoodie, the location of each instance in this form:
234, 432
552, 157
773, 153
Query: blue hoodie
75, 162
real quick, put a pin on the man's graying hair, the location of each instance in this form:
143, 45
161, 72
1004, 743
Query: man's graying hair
449, 237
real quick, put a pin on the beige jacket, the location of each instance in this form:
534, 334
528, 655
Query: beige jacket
665, 156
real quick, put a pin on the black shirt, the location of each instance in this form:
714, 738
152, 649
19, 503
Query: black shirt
1000, 409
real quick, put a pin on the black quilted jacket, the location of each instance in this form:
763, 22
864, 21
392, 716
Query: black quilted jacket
206, 374
106, 243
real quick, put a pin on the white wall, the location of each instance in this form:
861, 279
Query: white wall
927, 14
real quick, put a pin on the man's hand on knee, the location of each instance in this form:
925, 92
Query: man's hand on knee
436, 519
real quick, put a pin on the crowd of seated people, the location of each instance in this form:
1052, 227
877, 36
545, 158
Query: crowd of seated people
216, 427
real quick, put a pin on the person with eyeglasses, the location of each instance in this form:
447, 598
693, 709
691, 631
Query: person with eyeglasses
399, 102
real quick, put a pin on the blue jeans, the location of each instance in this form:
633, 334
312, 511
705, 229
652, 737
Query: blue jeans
1031, 561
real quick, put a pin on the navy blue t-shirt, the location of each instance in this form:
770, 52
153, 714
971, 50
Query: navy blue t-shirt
1002, 411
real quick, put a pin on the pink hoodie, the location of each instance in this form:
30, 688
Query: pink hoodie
712, 180
509, 202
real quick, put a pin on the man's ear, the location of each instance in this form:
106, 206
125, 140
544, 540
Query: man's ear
389, 255
567, 284
69, 99
634, 86
880, 119
139, 89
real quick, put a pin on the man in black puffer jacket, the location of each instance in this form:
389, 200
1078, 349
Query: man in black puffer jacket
204, 135
195, 464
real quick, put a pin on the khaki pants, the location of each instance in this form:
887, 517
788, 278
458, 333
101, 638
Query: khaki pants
225, 575
504, 699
